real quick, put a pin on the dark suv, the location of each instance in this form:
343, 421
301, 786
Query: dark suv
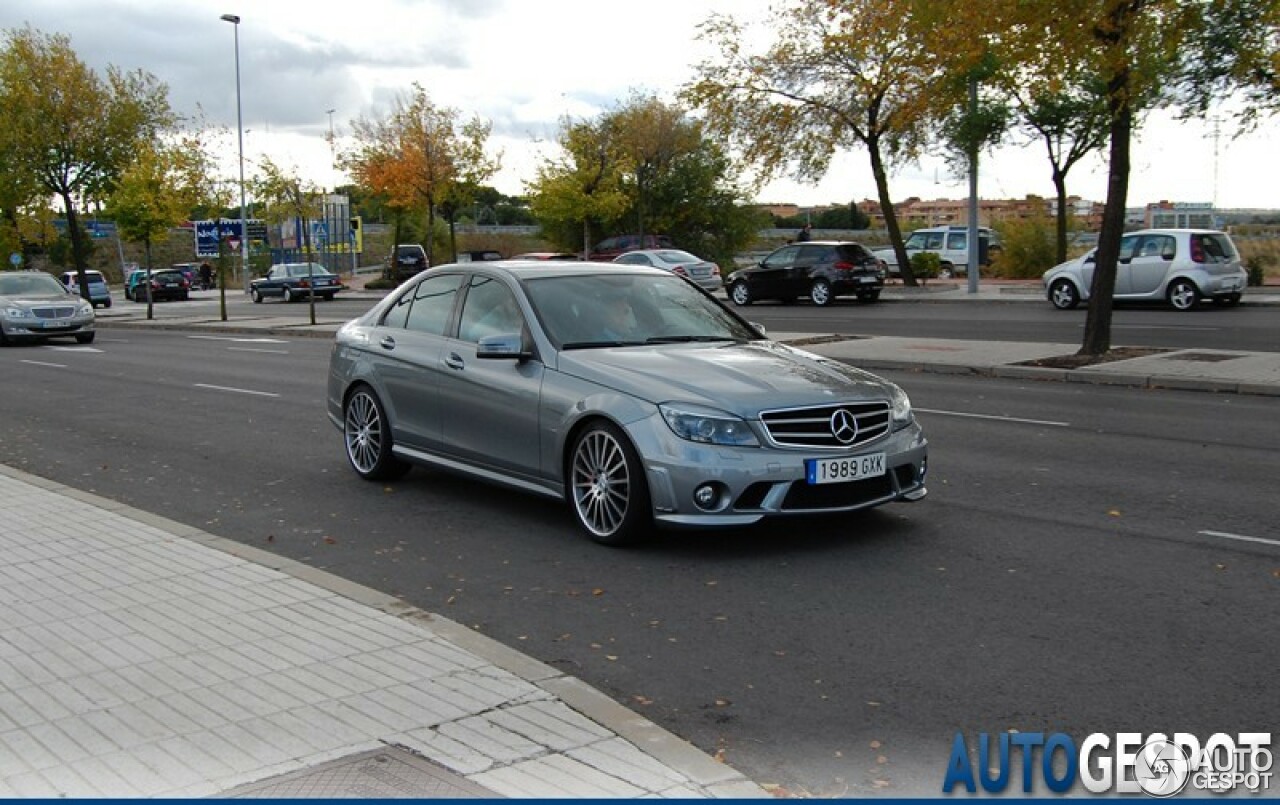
820, 270
406, 260
167, 283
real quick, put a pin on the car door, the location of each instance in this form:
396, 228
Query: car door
405, 349
490, 406
771, 277
1150, 265
1124, 279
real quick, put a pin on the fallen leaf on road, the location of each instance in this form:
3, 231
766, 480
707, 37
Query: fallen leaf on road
876, 744
597, 591
330, 541
1114, 512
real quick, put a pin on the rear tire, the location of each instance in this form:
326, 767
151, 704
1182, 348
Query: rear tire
820, 293
869, 297
366, 433
256, 296
740, 293
607, 487
288, 295
1183, 295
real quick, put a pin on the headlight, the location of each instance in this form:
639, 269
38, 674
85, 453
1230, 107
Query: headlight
707, 425
900, 407
16, 313
86, 309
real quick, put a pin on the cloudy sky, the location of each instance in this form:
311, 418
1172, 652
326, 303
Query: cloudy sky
524, 65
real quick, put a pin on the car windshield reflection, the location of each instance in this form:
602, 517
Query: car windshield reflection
590, 311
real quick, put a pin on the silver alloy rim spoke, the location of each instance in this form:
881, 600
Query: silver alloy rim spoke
363, 433
600, 483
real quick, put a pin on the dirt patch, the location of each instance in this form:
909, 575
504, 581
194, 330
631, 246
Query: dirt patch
1079, 361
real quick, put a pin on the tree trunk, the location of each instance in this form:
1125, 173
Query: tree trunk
1097, 325
1060, 186
890, 217
77, 244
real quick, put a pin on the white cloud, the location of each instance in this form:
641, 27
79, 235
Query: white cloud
524, 65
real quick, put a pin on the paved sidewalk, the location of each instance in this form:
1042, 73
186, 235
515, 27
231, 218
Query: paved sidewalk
140, 657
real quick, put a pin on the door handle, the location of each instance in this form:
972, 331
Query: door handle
387, 342
454, 361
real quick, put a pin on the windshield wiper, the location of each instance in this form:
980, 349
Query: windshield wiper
686, 339
599, 344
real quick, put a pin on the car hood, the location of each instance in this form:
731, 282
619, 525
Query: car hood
36, 300
742, 378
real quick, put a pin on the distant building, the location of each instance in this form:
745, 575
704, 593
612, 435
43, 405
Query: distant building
915, 212
1181, 215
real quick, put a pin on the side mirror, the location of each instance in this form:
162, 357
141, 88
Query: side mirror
504, 346
759, 328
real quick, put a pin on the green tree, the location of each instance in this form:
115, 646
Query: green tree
71, 131
288, 198
582, 186
839, 74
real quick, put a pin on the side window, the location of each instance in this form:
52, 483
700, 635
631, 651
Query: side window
810, 255
783, 258
398, 313
1161, 246
432, 303
916, 241
958, 241
489, 309
1128, 245
633, 260
933, 240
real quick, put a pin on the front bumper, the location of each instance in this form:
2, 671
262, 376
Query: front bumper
752, 484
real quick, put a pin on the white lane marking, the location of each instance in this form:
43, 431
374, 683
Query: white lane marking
236, 390
997, 418
1164, 327
1241, 537
251, 349
71, 349
238, 339
44, 363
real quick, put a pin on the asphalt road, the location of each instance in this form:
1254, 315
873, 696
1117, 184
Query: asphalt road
1075, 566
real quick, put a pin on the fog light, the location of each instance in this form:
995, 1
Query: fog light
924, 469
707, 497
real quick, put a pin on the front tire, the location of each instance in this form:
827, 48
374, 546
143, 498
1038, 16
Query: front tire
85, 338
740, 293
607, 488
256, 296
1064, 295
366, 432
288, 295
820, 293
1183, 295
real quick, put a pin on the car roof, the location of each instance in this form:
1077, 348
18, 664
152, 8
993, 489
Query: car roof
520, 269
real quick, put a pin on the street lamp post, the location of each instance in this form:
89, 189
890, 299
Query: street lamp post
234, 19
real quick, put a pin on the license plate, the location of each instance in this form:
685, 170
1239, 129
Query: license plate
867, 280
843, 470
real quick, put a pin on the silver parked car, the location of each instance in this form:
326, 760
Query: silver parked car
1178, 266
622, 389
35, 306
703, 272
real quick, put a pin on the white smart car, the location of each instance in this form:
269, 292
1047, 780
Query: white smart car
1178, 266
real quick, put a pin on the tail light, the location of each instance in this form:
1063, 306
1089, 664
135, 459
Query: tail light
681, 271
304, 284
843, 265
1197, 251
715, 270
185, 284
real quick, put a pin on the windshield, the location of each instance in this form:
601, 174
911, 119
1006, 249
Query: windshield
600, 310
30, 284
307, 269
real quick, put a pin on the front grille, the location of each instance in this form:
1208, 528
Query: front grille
54, 312
803, 497
813, 427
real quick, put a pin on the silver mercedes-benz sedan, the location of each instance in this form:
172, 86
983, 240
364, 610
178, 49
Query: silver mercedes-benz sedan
628, 391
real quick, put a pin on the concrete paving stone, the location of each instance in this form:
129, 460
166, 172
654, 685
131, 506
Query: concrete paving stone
141, 726
483, 691
391, 664
176, 772
85, 734
430, 709
34, 785
359, 637
226, 752
444, 750
621, 759
358, 676
247, 698
41, 702
263, 750
105, 779
20, 670
558, 726
320, 678
22, 744
503, 746
70, 697
554, 776
171, 717
230, 709
18, 711
291, 657
136, 774
391, 712
432, 656
319, 649
192, 710
353, 718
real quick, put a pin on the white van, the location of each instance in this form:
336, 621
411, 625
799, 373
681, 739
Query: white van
951, 243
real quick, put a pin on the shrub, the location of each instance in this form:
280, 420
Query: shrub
1027, 249
926, 265
380, 284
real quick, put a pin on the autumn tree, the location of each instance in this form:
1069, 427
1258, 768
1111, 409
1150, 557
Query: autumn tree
71, 131
418, 156
839, 74
584, 183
